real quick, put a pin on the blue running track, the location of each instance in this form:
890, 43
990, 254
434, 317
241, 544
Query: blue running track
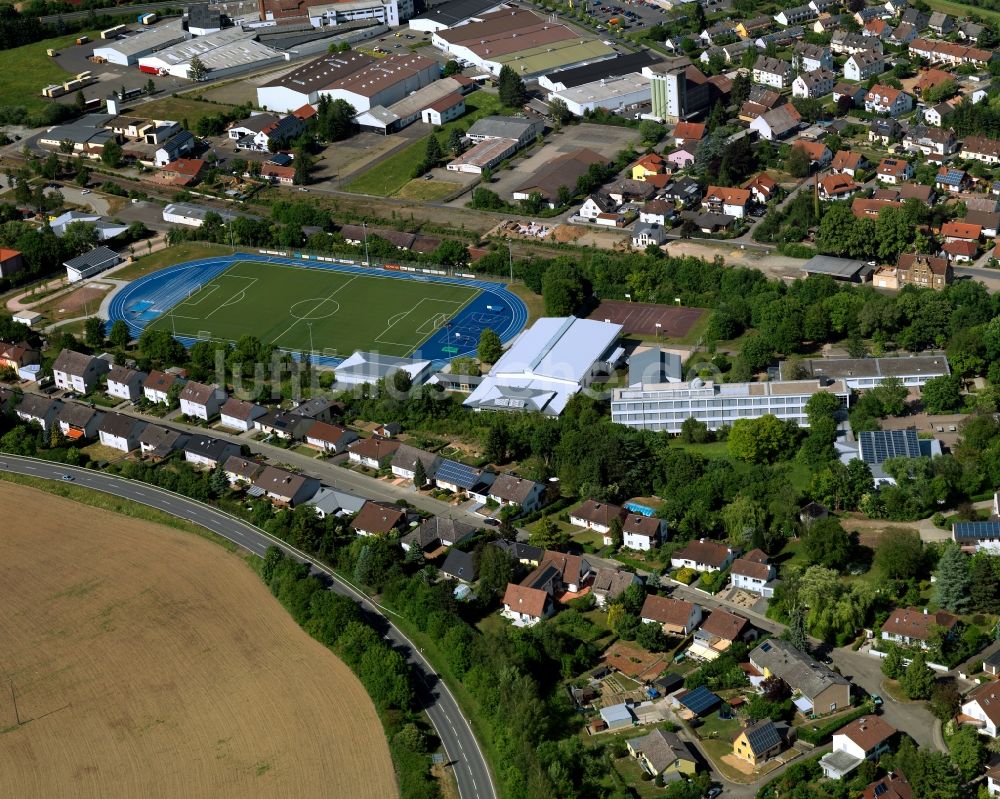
144, 300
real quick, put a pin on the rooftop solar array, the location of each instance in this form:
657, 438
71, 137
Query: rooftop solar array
763, 736
976, 530
700, 700
877, 446
953, 178
457, 474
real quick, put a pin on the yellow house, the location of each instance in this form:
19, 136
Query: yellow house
757, 743
651, 164
662, 752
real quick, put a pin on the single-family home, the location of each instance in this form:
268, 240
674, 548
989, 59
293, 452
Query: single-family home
120, 432
877, 27
594, 515
862, 65
926, 271
658, 212
74, 371
951, 180
330, 438
264, 132
811, 57
676, 616
938, 114
285, 489
795, 15
837, 187
893, 785
961, 231
776, 123
206, 452
681, 158
689, 134
405, 459
646, 234
748, 28
241, 471
960, 252
758, 742
374, 452
772, 72
595, 205
200, 401
883, 99
125, 383
524, 606
903, 33
988, 221
854, 91
980, 148
157, 442
460, 478
610, 583
982, 706
378, 518
935, 143
156, 387
941, 23
762, 188
846, 162
750, 573
643, 532
819, 154
436, 532
286, 425
649, 164
816, 689
461, 566
817, 83
719, 632
509, 489
38, 409
703, 556
78, 422
662, 752
237, 414
893, 171
916, 627
15, 356
727, 200
866, 738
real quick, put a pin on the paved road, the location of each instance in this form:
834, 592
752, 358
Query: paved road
469, 765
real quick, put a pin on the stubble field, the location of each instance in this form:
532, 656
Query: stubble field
146, 661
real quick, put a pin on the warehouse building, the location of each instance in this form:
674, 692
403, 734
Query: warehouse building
225, 53
385, 12
88, 135
303, 84
91, 263
665, 406
625, 93
484, 155
129, 50
436, 103
194, 215
452, 14
384, 82
563, 79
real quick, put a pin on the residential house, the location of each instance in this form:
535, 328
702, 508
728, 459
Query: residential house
970, 31
795, 15
980, 148
904, 33
846, 162
753, 574
761, 187
332, 502
405, 459
524, 606
778, 123
818, 83
892, 786
883, 99
941, 23
17, 356
866, 738
704, 556
819, 154
437, 531
939, 52
720, 29
200, 401
286, 425
749, 28
156, 387
685, 191
961, 231
318, 409
916, 627
461, 566
649, 164
657, 212
121, 432
646, 234
459, 478
574, 571
918, 19
906, 191
679, 159
597, 516
265, 132
866, 14
935, 143
988, 221
862, 65
375, 452
125, 383
643, 533
676, 616
157, 442
509, 489
914, 269
816, 689
285, 489
11, 262
719, 632
937, 114
38, 409
845, 43
982, 706
662, 752
877, 27
837, 187
772, 72
173, 148
856, 92
330, 438
610, 583
727, 200
207, 452
237, 414
78, 422
595, 205
960, 252
951, 180
870, 209
930, 79
75, 371
627, 190
811, 57
688, 134
884, 131
378, 518
183, 171
758, 742
893, 170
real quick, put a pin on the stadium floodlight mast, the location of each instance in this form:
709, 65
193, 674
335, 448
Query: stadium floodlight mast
312, 349
364, 228
658, 326
510, 260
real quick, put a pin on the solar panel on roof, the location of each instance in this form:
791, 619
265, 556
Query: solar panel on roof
880, 789
456, 473
976, 530
763, 737
877, 446
700, 700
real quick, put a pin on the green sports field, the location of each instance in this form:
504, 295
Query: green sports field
322, 311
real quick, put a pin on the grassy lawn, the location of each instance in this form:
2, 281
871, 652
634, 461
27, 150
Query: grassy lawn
189, 251
963, 9
179, 108
534, 302
713, 449
420, 189
719, 729
388, 177
27, 69
629, 770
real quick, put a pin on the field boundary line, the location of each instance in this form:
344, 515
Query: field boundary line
319, 302
401, 316
476, 294
233, 299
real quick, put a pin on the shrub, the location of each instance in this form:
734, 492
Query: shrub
686, 576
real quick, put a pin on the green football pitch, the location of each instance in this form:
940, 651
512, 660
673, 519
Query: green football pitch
322, 311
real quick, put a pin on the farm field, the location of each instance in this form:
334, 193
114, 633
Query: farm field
304, 309
149, 661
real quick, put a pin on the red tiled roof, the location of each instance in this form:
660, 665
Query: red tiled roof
845, 159
727, 626
868, 732
378, 517
814, 149
987, 696
665, 610
961, 247
870, 209
914, 622
521, 599
962, 230
729, 195
689, 130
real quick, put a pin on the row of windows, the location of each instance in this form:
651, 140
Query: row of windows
735, 403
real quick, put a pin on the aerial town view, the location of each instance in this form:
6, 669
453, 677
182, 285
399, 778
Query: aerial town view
500, 399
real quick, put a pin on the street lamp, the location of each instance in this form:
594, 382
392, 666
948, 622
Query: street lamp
658, 326
312, 349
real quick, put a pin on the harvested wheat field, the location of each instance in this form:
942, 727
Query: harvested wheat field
151, 662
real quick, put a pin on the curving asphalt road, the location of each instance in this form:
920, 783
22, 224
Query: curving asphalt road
461, 747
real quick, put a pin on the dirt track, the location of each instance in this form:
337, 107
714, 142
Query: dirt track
150, 662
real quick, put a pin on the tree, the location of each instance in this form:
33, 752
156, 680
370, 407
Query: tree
495, 571
760, 440
892, 664
559, 111
945, 700
419, 474
150, 86
455, 142
93, 332
822, 406
433, 154
510, 88
651, 132
563, 291
651, 637
899, 554
741, 87
985, 587
490, 346
451, 253
615, 533
797, 163
548, 535
967, 752
828, 544
218, 483
120, 336
743, 518
197, 70
451, 67
111, 154
80, 237
942, 394
952, 588
917, 681
694, 431
775, 689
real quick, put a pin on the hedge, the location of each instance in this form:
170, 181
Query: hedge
820, 735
